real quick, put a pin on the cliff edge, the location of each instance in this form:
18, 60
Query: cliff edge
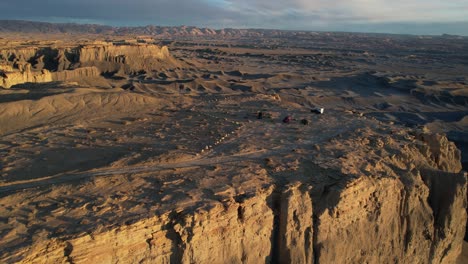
394, 198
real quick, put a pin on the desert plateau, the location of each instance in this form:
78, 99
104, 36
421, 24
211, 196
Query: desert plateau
195, 145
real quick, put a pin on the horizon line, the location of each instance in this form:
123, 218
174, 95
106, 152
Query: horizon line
256, 28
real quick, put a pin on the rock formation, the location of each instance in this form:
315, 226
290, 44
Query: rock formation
412, 211
127, 58
15, 54
69, 75
59, 64
10, 78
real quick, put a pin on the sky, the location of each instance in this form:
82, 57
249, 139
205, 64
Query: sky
385, 16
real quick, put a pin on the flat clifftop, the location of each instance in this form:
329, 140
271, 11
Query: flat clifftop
309, 200
109, 51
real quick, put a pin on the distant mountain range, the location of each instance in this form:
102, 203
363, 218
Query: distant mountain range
22, 26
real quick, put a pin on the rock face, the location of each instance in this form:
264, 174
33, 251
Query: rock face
390, 223
136, 57
84, 72
8, 79
15, 54
127, 59
63, 64
234, 232
412, 213
295, 238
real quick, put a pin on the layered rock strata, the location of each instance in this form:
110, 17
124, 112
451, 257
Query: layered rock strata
408, 208
10, 78
84, 72
47, 64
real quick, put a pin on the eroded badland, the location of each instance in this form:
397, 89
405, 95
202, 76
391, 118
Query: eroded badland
173, 149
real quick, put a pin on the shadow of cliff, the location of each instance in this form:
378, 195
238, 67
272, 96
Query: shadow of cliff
35, 91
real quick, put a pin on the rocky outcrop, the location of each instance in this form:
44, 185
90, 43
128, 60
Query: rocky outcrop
410, 209
234, 231
14, 77
14, 54
440, 152
26, 75
381, 221
126, 58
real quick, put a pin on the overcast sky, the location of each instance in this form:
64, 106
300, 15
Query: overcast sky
393, 16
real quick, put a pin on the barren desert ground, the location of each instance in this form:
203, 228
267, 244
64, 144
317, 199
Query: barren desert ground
155, 149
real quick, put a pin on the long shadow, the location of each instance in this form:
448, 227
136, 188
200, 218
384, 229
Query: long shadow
7, 98
37, 91
59, 160
420, 118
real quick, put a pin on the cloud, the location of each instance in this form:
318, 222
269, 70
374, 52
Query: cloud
167, 12
293, 14
361, 10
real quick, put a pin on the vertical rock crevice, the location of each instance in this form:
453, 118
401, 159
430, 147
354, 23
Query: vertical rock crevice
67, 251
275, 206
292, 232
448, 201
177, 244
296, 225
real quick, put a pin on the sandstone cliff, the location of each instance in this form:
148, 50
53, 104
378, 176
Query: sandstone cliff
8, 79
12, 54
405, 207
127, 58
45, 64
69, 75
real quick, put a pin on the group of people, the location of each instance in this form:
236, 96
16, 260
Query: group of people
289, 119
